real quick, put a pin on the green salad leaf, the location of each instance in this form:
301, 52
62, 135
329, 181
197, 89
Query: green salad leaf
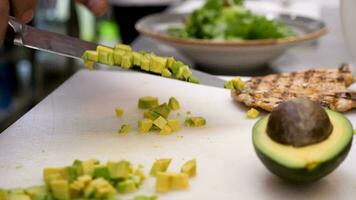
229, 20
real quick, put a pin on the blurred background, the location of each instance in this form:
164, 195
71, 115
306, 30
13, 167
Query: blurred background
27, 76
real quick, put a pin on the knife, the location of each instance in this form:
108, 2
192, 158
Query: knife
30, 37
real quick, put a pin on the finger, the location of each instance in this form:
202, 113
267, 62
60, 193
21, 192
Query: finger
4, 10
98, 7
24, 10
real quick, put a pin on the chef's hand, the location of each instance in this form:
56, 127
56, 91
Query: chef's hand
24, 11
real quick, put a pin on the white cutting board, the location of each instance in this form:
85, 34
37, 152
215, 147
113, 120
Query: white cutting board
77, 121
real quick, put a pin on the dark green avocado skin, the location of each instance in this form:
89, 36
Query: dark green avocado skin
303, 175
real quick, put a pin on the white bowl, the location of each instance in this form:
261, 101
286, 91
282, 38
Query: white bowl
218, 56
348, 16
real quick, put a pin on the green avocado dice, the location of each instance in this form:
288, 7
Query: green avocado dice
160, 122
117, 56
125, 129
137, 57
60, 189
127, 61
166, 130
173, 104
162, 110
106, 58
3, 194
170, 62
150, 115
102, 171
160, 165
157, 64
126, 186
144, 125
119, 170
190, 168
184, 73
166, 73
91, 56
145, 64
37, 192
193, 79
194, 122
176, 66
123, 47
50, 174
174, 124
147, 102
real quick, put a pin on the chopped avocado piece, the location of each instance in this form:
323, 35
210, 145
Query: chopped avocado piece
37, 193
190, 168
119, 170
89, 64
252, 113
166, 130
174, 124
119, 112
136, 179
126, 186
18, 197
306, 163
102, 171
180, 181
145, 198
157, 64
173, 103
117, 56
166, 73
50, 174
127, 61
60, 189
229, 85
163, 182
145, 64
101, 48
72, 173
123, 47
184, 73
16, 191
176, 66
194, 122
91, 56
235, 84
160, 122
106, 58
99, 189
125, 129
3, 194
150, 115
144, 125
88, 167
137, 57
147, 102
170, 62
160, 165
77, 186
193, 79
139, 172
162, 110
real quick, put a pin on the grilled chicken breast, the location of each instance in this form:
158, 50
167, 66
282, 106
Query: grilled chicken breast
326, 86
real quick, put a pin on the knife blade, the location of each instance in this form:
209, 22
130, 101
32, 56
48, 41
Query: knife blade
42, 40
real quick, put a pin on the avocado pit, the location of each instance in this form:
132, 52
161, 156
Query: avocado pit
299, 122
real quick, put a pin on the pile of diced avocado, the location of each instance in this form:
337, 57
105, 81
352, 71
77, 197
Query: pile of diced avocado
156, 117
235, 84
85, 180
123, 55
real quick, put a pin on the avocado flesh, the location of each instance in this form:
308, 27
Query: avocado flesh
304, 164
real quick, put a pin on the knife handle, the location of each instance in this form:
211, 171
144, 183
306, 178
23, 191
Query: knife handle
14, 31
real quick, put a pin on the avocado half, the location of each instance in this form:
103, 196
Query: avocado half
309, 163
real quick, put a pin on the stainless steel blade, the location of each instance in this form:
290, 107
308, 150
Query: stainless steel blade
48, 41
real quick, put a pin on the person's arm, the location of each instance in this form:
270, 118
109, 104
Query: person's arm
24, 11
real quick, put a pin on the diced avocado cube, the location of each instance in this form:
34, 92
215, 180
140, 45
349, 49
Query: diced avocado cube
106, 58
190, 168
166, 73
119, 112
50, 174
184, 73
91, 56
173, 103
37, 193
160, 165
162, 110
155, 128
125, 129
136, 179
166, 130
119, 170
127, 186
252, 113
170, 62
147, 102
176, 66
163, 182
89, 64
229, 85
180, 181
150, 115
145, 64
102, 171
144, 125
174, 124
160, 122
77, 186
99, 189
193, 79
137, 57
3, 194
117, 56
157, 64
88, 167
60, 189
18, 197
101, 48
123, 47
127, 61
17, 191
72, 173
194, 122
139, 172
145, 198
238, 84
